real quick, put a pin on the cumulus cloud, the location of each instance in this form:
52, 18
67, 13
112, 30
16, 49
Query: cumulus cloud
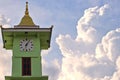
110, 45
51, 68
5, 62
45, 52
90, 57
85, 27
5, 56
4, 21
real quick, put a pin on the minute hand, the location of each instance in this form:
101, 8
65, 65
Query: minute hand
27, 43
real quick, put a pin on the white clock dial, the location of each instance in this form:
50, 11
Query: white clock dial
26, 45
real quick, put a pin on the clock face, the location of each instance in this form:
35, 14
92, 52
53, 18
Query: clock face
26, 45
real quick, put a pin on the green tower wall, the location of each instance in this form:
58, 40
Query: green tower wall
36, 69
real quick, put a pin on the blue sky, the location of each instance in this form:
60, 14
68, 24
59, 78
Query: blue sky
84, 41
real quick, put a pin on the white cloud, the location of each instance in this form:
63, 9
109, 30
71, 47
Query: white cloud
85, 58
116, 75
85, 27
4, 21
51, 68
5, 56
45, 52
110, 45
103, 9
5, 63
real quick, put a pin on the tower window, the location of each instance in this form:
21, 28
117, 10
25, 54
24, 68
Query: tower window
26, 66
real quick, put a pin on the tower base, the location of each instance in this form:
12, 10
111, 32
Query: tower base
26, 78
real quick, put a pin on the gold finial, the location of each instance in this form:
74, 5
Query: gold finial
26, 12
26, 20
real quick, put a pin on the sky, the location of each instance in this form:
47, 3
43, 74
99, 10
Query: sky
85, 38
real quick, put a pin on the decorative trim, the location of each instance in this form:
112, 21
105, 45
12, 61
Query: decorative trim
26, 26
26, 30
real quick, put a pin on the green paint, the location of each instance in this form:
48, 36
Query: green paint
40, 41
36, 67
16, 66
27, 78
34, 54
36, 48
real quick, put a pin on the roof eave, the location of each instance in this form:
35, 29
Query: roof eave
51, 28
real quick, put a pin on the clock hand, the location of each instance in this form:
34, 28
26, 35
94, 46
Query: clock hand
27, 43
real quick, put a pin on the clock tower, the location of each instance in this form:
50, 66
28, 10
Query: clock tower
26, 40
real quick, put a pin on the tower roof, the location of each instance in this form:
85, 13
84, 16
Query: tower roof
26, 20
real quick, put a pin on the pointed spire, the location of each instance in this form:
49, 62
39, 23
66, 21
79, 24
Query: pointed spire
26, 20
26, 12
